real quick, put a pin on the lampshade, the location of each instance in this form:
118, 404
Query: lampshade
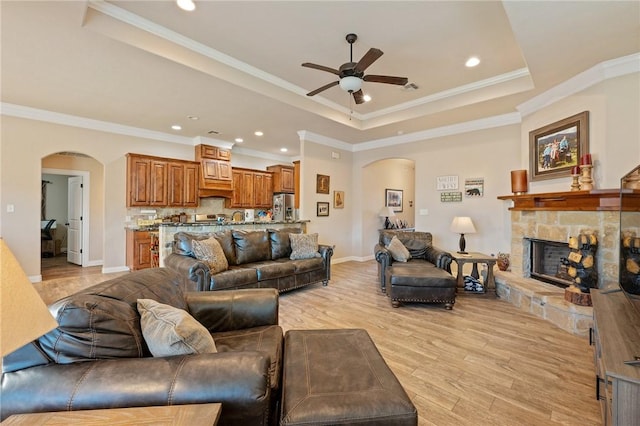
350, 84
462, 225
23, 314
386, 212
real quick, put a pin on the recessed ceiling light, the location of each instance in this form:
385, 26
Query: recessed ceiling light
187, 5
283, 150
193, 117
472, 62
239, 140
366, 98
176, 127
258, 133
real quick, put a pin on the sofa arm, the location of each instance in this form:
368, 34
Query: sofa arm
384, 259
326, 251
193, 269
226, 310
440, 258
238, 380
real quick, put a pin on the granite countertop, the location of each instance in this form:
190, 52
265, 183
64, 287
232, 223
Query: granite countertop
151, 228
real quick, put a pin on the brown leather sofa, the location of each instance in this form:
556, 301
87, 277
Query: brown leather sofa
97, 357
257, 259
425, 277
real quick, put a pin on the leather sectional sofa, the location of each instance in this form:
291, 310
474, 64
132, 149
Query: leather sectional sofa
257, 259
97, 357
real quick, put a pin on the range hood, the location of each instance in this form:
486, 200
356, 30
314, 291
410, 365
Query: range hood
217, 193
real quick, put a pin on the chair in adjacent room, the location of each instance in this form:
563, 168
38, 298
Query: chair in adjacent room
46, 237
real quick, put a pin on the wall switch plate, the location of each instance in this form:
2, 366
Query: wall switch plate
10, 208
424, 212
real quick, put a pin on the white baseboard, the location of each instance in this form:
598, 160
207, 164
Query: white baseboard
352, 259
93, 263
35, 278
115, 269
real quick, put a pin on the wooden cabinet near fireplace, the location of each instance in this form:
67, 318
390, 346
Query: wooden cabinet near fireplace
616, 337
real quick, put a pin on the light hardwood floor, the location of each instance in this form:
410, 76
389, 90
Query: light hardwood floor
483, 363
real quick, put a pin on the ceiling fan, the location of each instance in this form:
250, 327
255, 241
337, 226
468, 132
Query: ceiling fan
352, 73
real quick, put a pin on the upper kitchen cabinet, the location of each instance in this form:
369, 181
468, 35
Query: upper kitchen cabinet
161, 182
216, 178
283, 179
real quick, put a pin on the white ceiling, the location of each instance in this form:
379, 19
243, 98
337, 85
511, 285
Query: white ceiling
237, 64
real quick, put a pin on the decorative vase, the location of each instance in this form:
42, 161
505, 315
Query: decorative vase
503, 261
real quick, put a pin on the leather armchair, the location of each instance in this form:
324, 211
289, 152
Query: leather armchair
244, 375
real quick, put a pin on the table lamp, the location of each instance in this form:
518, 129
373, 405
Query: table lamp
387, 212
462, 225
23, 314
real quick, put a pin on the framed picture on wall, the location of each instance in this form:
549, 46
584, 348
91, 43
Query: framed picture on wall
338, 199
322, 184
555, 148
322, 208
393, 199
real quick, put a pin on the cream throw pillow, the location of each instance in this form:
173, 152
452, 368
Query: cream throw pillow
304, 246
211, 251
171, 331
398, 251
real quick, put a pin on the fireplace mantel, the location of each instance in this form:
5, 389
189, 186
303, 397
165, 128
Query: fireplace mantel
595, 200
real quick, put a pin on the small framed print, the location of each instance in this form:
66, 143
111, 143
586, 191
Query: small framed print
322, 184
338, 199
393, 199
322, 208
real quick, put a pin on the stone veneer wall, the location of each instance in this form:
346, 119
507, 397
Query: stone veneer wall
559, 226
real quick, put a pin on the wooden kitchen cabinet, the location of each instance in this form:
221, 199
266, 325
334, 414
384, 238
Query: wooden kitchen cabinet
183, 184
212, 153
161, 182
283, 179
216, 178
138, 249
251, 189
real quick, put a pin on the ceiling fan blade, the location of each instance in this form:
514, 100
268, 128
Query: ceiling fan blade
358, 97
323, 88
400, 81
370, 57
321, 68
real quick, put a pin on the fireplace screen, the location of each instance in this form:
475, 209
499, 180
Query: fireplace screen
548, 262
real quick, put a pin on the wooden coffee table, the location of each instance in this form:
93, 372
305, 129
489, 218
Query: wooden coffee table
474, 258
192, 414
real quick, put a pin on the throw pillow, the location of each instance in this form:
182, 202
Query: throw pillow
210, 251
171, 331
398, 251
304, 246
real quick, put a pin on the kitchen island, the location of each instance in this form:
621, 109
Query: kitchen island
168, 229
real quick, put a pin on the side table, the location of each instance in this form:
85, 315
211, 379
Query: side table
191, 414
474, 258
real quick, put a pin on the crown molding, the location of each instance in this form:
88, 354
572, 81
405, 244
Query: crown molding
594, 75
260, 154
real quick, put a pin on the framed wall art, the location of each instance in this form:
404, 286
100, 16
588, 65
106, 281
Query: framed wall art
322, 208
555, 148
393, 198
322, 184
338, 199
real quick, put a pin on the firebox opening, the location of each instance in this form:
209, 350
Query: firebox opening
548, 262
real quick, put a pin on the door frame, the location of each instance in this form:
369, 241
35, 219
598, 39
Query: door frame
85, 205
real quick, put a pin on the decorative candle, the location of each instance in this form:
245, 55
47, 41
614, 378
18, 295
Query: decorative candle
585, 159
518, 181
575, 170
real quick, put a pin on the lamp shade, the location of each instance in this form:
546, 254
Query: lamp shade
386, 212
23, 314
350, 84
462, 225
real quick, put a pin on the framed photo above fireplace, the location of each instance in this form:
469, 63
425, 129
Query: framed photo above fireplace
555, 148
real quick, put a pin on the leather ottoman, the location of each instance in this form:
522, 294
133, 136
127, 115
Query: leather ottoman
338, 377
422, 282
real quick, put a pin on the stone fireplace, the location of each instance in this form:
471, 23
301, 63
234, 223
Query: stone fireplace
545, 261
553, 218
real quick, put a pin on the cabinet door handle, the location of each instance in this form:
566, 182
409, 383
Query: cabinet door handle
598, 381
590, 336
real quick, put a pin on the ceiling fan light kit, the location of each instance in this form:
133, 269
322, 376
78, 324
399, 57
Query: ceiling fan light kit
351, 74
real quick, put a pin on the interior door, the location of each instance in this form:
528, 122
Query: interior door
74, 233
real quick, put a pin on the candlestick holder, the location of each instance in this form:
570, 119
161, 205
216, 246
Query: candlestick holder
575, 184
586, 183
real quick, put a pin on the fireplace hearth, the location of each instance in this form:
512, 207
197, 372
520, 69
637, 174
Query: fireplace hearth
547, 261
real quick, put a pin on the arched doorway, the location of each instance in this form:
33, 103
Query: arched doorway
67, 182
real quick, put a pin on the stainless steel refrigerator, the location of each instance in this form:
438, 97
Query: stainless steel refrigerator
283, 207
